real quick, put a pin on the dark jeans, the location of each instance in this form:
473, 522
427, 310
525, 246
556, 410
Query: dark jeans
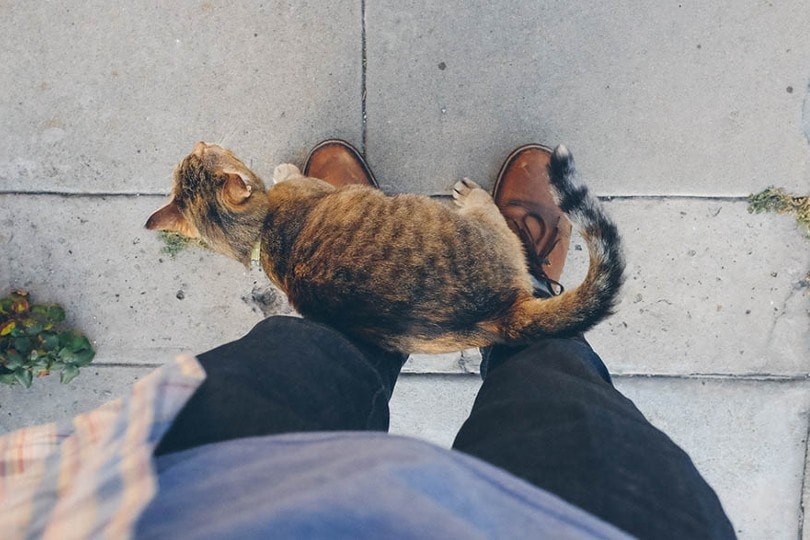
546, 413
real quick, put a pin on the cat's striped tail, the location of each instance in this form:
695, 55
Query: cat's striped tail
579, 309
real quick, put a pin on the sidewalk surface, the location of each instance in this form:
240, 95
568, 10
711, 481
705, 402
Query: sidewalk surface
675, 112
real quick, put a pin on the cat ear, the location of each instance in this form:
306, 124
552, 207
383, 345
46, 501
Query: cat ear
236, 190
169, 218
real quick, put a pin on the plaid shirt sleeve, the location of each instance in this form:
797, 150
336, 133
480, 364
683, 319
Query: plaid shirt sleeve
91, 477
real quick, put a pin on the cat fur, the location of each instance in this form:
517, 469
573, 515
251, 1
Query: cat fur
405, 272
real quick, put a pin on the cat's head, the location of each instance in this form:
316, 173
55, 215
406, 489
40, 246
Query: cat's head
215, 198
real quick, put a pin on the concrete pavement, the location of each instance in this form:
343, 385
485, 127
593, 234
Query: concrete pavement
674, 114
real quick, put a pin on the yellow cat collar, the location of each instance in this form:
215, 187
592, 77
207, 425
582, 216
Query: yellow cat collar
255, 255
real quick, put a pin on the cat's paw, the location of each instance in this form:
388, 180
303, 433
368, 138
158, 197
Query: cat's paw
464, 192
285, 171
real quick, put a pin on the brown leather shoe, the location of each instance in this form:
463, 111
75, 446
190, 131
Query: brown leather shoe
522, 193
338, 163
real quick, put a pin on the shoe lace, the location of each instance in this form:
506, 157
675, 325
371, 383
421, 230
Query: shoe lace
540, 252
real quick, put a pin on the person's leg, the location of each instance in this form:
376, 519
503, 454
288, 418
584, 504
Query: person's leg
549, 413
286, 375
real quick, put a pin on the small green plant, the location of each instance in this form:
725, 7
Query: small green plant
32, 345
174, 243
780, 201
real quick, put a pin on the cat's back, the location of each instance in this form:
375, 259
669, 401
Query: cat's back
354, 216
361, 224
405, 263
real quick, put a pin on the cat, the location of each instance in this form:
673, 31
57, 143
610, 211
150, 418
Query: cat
405, 272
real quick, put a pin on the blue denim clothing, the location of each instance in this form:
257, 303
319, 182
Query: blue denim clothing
547, 414
351, 485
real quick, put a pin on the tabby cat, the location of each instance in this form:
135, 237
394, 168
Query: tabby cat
405, 272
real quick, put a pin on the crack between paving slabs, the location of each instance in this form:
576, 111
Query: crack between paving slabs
804, 487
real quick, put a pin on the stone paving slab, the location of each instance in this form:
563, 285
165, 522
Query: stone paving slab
710, 289
748, 438
688, 99
664, 98
136, 304
432, 407
50, 401
105, 97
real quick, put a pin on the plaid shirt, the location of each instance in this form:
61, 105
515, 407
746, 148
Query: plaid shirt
91, 477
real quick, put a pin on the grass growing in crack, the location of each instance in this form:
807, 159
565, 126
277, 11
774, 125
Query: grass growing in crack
780, 201
174, 243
